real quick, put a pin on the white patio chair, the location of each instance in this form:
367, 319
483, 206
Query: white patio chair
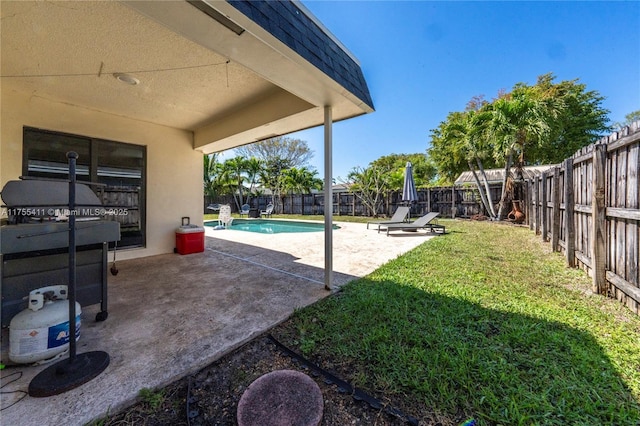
267, 212
224, 216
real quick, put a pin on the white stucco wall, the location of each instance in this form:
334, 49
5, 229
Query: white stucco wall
174, 168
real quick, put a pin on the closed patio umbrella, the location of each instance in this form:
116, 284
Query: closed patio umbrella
409, 193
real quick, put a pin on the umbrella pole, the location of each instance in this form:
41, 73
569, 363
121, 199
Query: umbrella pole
409, 193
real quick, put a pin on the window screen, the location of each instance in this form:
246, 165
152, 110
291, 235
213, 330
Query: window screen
116, 170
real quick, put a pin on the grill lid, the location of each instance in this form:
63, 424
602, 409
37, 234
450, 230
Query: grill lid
41, 198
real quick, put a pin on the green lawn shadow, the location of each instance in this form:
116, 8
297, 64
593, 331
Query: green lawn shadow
428, 352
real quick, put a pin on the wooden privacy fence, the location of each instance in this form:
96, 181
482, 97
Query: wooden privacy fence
458, 201
588, 209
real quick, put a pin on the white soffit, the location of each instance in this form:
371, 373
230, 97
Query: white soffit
261, 52
195, 74
68, 52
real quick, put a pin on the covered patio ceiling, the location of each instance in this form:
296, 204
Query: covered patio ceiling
201, 66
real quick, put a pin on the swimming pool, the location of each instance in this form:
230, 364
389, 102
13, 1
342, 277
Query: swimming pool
273, 226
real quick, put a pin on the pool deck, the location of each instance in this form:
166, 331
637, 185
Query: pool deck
171, 315
357, 251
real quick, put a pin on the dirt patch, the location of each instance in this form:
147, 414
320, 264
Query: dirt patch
211, 396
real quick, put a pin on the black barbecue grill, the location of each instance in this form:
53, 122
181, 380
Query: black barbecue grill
34, 245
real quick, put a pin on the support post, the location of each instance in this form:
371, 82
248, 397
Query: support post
598, 221
569, 202
328, 198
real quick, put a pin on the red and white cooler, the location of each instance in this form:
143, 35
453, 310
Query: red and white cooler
189, 238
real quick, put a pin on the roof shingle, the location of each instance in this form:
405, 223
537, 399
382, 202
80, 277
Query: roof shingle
285, 21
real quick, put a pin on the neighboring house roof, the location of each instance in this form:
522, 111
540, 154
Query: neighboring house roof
497, 175
341, 187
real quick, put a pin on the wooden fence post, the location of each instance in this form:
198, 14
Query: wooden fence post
543, 209
453, 202
536, 193
530, 208
598, 221
569, 233
555, 226
386, 203
353, 204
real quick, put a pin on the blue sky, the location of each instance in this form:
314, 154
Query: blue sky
424, 59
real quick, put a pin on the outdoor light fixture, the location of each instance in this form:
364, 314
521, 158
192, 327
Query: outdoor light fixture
126, 78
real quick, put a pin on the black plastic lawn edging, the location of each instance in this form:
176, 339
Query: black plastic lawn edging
343, 386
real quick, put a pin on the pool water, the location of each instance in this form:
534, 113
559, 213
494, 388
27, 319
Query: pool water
273, 226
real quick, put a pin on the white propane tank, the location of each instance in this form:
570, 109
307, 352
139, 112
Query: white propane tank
41, 331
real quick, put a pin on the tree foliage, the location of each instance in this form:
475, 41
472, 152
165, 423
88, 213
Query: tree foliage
300, 180
210, 169
633, 116
370, 184
297, 181
276, 164
231, 177
289, 151
424, 171
466, 134
539, 124
579, 120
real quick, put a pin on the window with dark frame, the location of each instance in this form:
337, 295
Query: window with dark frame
118, 168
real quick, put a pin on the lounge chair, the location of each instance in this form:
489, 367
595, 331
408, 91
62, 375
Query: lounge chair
267, 212
224, 216
214, 207
423, 222
400, 216
244, 210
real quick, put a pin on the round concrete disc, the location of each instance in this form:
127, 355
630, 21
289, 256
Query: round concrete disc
283, 397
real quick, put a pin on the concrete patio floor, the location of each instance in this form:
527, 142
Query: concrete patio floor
171, 315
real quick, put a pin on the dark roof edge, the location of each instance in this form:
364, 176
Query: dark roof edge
292, 24
300, 5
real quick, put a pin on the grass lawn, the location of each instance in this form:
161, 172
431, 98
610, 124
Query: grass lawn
483, 322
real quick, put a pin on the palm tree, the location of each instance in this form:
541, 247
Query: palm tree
211, 169
480, 150
466, 134
233, 177
299, 181
522, 118
253, 169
